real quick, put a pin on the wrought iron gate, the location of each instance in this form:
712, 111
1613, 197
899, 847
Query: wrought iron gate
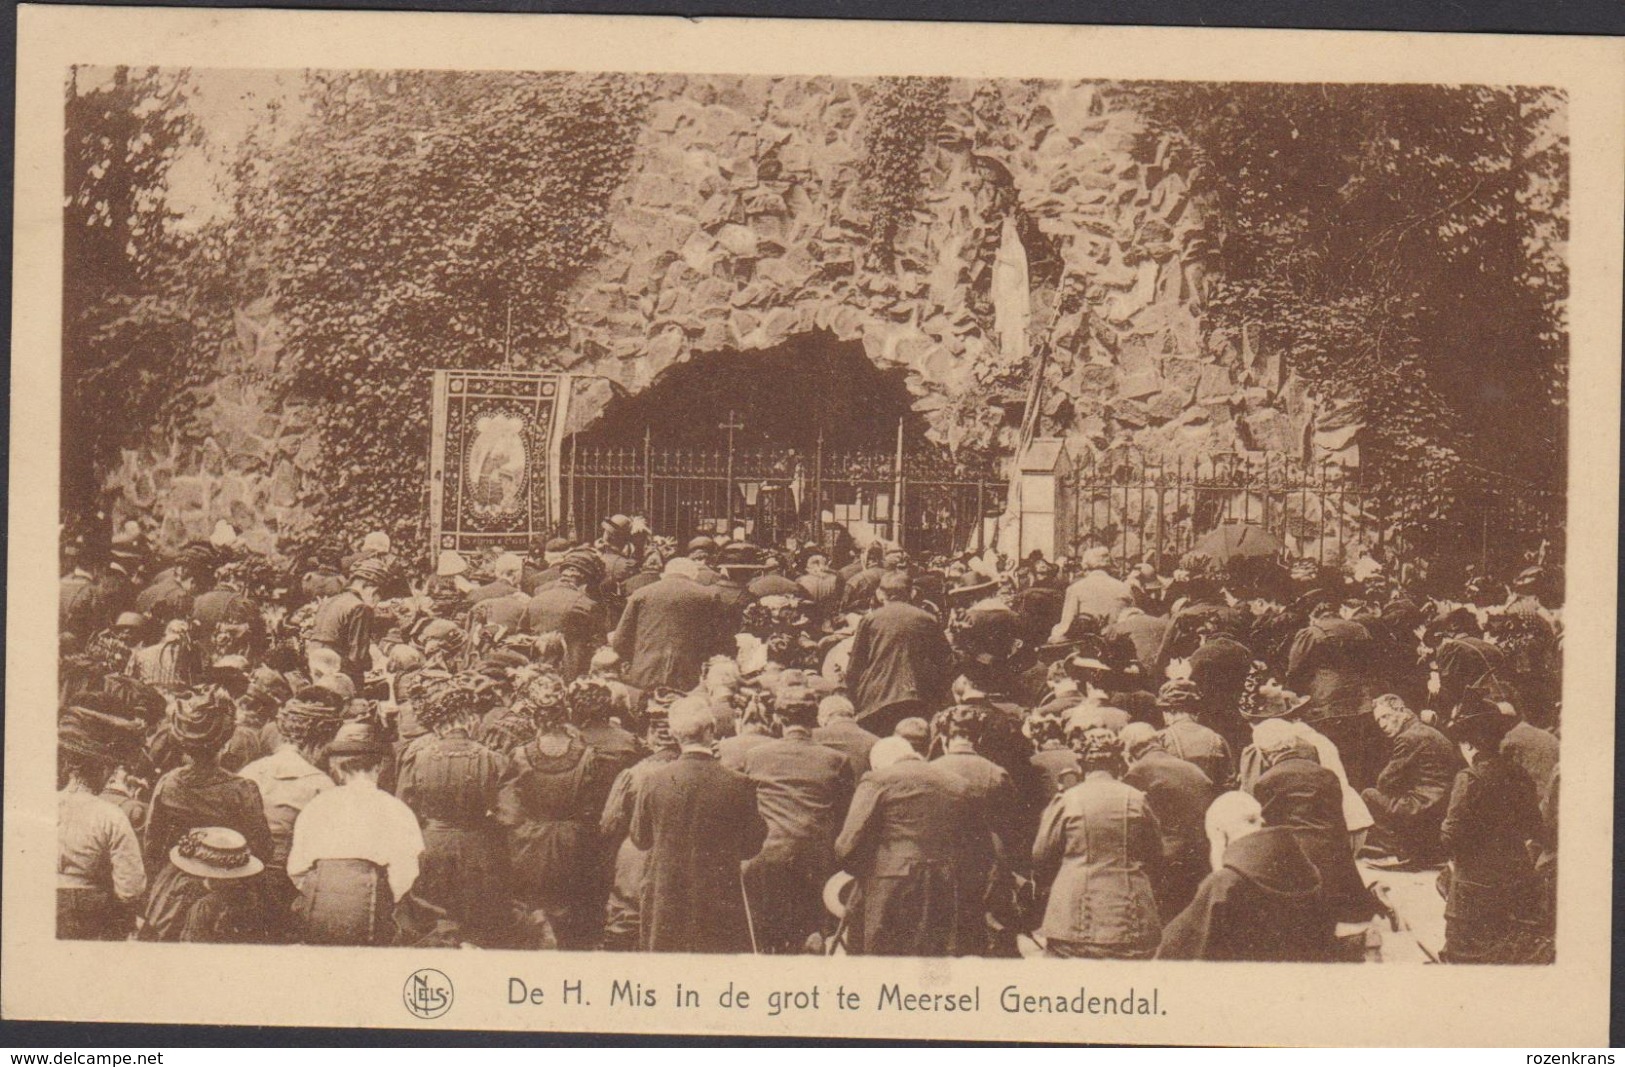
929, 504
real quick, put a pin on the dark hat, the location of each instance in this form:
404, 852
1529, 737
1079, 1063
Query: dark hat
1180, 693
134, 698
740, 555
372, 570
1481, 722
215, 852
203, 720
358, 739
125, 549
558, 544
972, 587
267, 685
965, 719
100, 731
313, 704
1273, 702
702, 542
585, 562
199, 554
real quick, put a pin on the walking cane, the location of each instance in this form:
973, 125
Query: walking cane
750, 923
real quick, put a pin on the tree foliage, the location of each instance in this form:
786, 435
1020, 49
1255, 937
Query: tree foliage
133, 330
902, 119
422, 220
1404, 244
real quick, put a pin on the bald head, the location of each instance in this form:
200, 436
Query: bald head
1230, 818
890, 750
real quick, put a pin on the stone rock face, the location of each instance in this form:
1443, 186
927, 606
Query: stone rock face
746, 222
246, 457
749, 222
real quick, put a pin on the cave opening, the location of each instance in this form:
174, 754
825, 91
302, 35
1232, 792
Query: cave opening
786, 397
767, 445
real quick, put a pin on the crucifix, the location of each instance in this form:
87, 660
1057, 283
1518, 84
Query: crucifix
731, 425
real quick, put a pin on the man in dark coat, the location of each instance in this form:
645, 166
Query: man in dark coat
1219, 668
698, 820
802, 791
903, 841
170, 594
566, 607
1331, 662
1412, 793
1179, 795
1261, 903
669, 629
344, 623
900, 660
1296, 792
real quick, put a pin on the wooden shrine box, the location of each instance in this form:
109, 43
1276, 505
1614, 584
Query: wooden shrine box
1047, 517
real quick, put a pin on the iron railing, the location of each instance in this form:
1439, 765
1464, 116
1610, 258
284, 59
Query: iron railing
931, 505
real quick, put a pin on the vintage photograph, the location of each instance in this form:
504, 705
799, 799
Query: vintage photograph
872, 516
792, 528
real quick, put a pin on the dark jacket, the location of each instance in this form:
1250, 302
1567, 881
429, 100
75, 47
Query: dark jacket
1462, 661
698, 821
1492, 813
802, 792
1409, 799
903, 839
1219, 668
1179, 795
668, 631
1330, 662
766, 585
192, 797
343, 623
565, 609
899, 654
1535, 751
1262, 904
1307, 799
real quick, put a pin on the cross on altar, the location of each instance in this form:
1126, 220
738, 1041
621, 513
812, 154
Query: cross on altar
731, 425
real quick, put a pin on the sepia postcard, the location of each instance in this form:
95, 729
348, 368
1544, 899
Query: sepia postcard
813, 529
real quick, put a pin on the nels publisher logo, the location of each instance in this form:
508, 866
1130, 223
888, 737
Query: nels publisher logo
427, 994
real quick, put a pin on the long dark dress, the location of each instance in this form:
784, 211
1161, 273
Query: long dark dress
551, 805
1492, 897
184, 907
462, 890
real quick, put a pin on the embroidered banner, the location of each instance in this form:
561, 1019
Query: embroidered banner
494, 460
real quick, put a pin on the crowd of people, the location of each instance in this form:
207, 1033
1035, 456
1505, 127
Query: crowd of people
629, 744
